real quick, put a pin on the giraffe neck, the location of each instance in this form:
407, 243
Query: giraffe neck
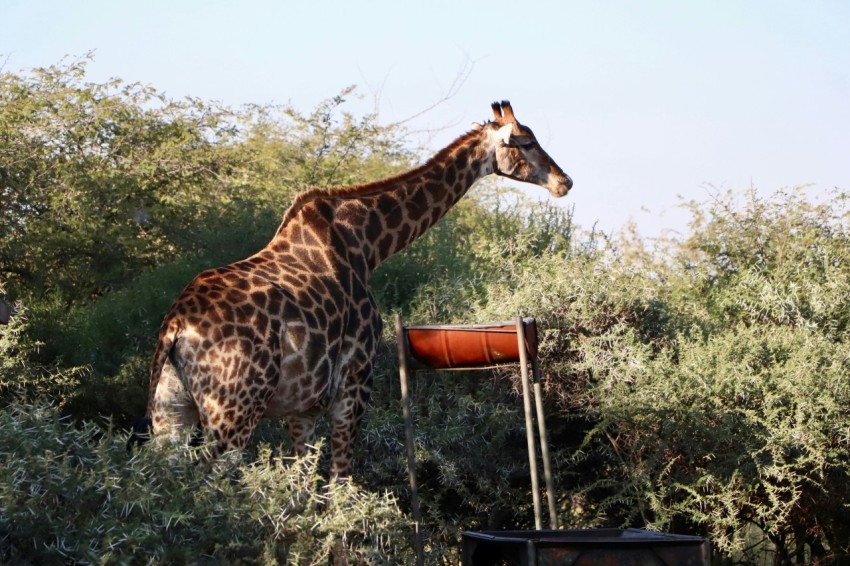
380, 219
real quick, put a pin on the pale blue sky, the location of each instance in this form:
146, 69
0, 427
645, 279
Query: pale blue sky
639, 102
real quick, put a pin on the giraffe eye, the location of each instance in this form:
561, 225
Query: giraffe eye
526, 145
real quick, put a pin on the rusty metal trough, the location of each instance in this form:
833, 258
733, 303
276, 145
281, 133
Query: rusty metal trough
471, 346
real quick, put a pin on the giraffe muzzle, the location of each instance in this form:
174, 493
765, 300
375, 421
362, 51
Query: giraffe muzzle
560, 186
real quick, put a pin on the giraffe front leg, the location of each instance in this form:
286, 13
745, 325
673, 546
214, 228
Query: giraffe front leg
346, 417
302, 435
302, 432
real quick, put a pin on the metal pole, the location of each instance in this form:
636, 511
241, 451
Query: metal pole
529, 424
544, 444
409, 440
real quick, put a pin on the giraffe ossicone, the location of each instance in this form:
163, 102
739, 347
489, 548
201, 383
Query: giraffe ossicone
291, 332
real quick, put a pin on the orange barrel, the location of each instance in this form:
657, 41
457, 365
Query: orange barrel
480, 345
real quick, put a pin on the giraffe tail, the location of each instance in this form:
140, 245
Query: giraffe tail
167, 337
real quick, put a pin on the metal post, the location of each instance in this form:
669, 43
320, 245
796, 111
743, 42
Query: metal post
529, 424
544, 444
409, 437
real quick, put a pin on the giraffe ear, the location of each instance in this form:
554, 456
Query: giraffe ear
503, 134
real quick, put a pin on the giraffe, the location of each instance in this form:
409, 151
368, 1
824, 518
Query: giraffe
291, 332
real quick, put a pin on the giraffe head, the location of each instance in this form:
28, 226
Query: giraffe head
519, 156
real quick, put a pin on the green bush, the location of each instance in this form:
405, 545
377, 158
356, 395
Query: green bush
75, 494
710, 381
21, 378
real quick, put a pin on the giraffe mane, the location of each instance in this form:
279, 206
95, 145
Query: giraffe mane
368, 189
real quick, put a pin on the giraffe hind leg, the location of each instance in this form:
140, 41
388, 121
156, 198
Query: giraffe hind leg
346, 424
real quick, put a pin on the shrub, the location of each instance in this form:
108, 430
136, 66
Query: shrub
745, 427
74, 493
21, 378
709, 382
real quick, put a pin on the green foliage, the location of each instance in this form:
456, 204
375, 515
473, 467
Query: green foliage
103, 181
774, 261
77, 495
747, 427
20, 378
697, 386
711, 380
328, 147
96, 176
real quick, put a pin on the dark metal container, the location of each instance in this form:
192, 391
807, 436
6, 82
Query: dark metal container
597, 547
